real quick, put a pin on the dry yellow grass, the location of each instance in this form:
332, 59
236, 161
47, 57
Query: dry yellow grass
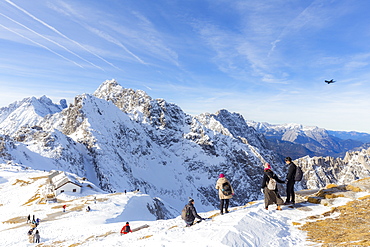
37, 178
32, 199
329, 186
145, 237
350, 228
16, 220
330, 196
21, 182
353, 188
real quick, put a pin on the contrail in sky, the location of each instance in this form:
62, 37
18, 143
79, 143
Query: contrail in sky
61, 34
114, 41
50, 41
47, 48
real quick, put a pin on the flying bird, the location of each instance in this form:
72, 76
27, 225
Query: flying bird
331, 81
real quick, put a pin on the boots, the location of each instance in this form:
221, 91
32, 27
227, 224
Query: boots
279, 207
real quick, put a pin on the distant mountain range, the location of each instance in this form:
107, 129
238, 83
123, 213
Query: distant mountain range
296, 140
122, 139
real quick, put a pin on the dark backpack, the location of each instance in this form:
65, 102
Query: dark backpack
226, 189
127, 229
185, 212
298, 174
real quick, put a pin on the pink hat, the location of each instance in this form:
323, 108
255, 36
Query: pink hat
221, 175
267, 167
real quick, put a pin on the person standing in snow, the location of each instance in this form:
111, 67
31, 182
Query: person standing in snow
225, 192
191, 213
64, 208
271, 195
126, 228
36, 237
290, 180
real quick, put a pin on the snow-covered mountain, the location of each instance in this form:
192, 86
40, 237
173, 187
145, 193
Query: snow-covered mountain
29, 111
321, 171
298, 140
122, 139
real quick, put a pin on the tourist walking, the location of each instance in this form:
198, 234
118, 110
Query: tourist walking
269, 188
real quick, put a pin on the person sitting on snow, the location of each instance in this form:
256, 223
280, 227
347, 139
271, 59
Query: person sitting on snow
126, 229
191, 213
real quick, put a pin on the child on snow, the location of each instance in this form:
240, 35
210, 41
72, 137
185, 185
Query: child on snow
36, 237
126, 229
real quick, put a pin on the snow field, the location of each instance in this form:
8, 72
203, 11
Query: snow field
249, 225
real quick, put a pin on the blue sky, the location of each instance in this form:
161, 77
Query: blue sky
266, 60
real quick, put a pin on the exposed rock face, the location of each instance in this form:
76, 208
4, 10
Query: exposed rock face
321, 171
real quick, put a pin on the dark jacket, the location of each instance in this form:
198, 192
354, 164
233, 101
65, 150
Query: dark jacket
267, 174
291, 172
126, 229
192, 213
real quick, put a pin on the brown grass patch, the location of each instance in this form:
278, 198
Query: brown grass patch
172, 227
77, 208
350, 228
214, 215
32, 199
364, 197
74, 245
54, 244
296, 223
16, 220
331, 196
353, 188
37, 178
21, 182
329, 186
145, 237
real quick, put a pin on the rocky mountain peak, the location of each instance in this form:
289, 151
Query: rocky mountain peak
27, 112
141, 107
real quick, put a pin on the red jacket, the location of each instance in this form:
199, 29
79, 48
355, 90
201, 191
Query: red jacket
126, 229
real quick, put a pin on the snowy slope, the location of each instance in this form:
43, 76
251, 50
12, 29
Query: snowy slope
122, 139
29, 112
249, 225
